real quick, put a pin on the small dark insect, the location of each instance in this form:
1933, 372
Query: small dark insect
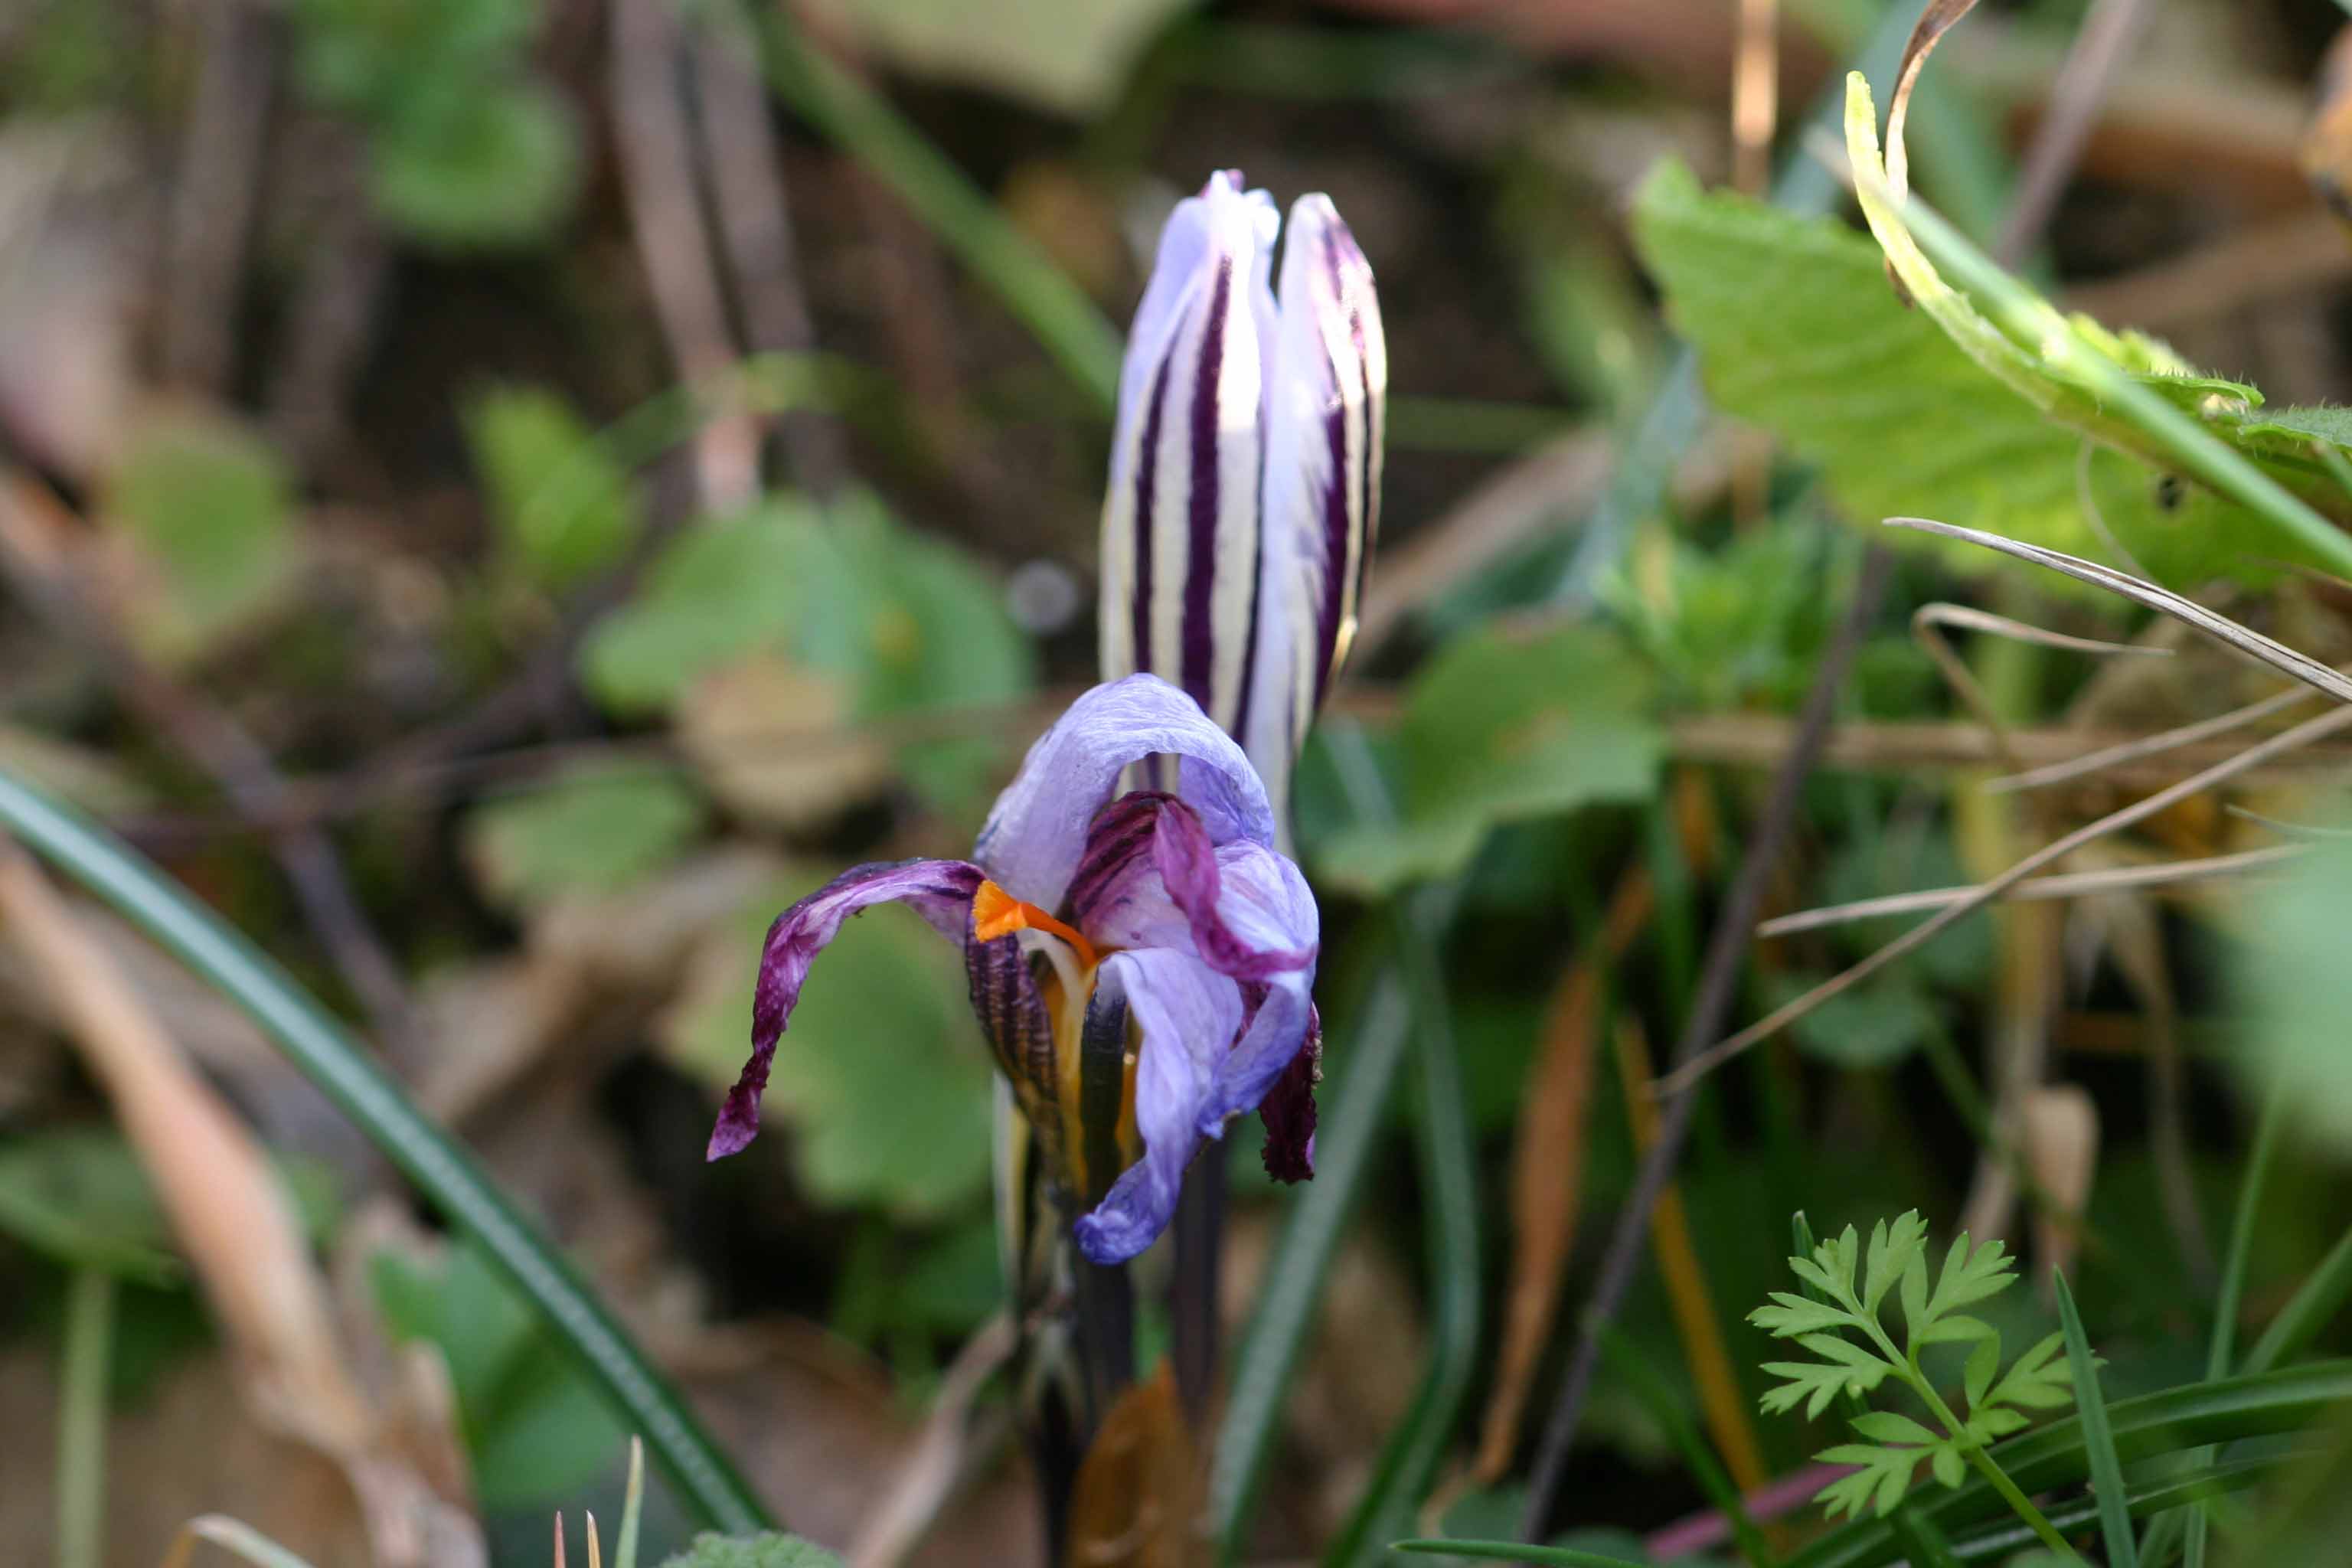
2170, 491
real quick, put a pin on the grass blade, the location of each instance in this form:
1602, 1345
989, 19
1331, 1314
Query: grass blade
2150, 1500
1269, 1347
441, 1168
1448, 1172
1923, 1544
1650, 1387
1513, 1552
2181, 1418
625, 1547
2099, 1441
1054, 308
2308, 1310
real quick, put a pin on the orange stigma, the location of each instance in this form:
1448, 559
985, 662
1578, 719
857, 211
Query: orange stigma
995, 912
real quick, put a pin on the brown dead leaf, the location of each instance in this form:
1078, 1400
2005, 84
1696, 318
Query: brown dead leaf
1934, 22
734, 723
237, 1227
1547, 1174
1138, 1493
2059, 1125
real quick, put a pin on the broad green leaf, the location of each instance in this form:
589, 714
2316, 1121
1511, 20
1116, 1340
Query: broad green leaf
1875, 1025
205, 504
83, 1199
1896, 415
2124, 389
477, 164
902, 622
1503, 728
534, 1427
723, 589
883, 1078
2291, 973
593, 832
1067, 56
529, 446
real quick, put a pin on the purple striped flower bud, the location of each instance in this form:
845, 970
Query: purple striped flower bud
1245, 467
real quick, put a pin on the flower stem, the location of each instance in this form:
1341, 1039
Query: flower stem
1907, 1368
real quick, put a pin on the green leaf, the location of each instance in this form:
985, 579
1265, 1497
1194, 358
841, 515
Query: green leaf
1878, 1486
1505, 728
83, 1199
1792, 1315
1892, 1248
1875, 1025
752, 1551
1983, 1363
883, 1074
535, 1427
1969, 1276
1514, 1551
477, 164
2037, 1380
2098, 1436
1897, 416
206, 504
2126, 391
523, 439
590, 832
1817, 1384
1888, 1427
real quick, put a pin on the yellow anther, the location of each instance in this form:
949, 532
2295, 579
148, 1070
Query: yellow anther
995, 914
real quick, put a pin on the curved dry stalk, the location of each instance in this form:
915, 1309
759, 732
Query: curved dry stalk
1926, 629
2150, 745
1707, 1061
2243, 640
2310, 832
2074, 885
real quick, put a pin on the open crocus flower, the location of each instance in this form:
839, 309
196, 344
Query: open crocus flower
1245, 467
1141, 964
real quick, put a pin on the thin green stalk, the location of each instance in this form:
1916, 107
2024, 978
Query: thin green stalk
88, 1369
624, 1547
441, 1167
2098, 1438
1035, 290
2217, 1350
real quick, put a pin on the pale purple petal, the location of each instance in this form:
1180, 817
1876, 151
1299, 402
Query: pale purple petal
940, 891
1037, 831
1327, 388
1179, 537
1188, 1015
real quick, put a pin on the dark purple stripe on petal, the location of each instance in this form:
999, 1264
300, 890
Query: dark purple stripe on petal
1289, 1110
1146, 486
1119, 833
1200, 626
1338, 522
940, 891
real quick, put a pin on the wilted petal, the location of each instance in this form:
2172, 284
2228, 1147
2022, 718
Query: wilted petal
1289, 1111
1327, 388
1189, 1015
940, 891
1179, 540
1151, 876
1037, 831
1276, 1034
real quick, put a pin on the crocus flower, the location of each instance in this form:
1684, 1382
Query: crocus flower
1245, 467
1141, 963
